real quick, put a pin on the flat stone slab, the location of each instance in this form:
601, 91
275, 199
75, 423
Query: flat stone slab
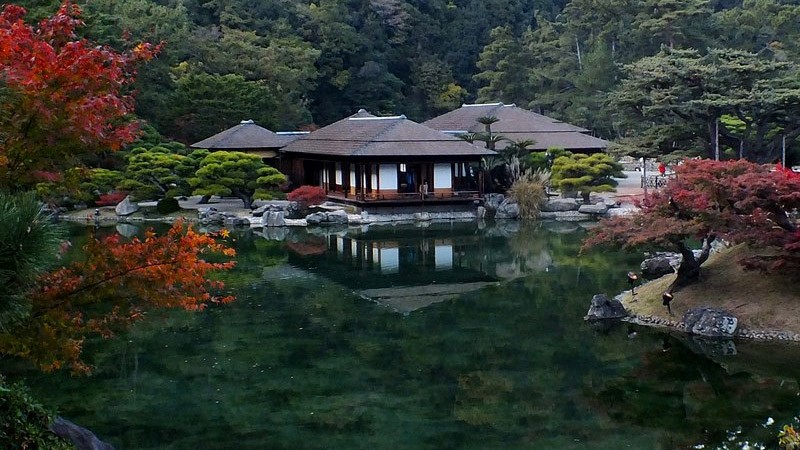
559, 205
597, 208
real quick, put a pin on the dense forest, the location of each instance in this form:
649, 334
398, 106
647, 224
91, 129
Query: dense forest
656, 76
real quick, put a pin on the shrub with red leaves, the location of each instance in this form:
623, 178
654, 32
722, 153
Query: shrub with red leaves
307, 195
111, 199
738, 201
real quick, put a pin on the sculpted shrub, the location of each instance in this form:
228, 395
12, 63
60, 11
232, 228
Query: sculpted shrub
168, 205
307, 195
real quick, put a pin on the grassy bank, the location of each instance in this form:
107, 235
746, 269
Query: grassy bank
760, 301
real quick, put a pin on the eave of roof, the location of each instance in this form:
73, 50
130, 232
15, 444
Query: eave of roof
511, 119
365, 135
245, 135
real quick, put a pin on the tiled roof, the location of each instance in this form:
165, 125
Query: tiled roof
364, 134
564, 139
246, 135
516, 123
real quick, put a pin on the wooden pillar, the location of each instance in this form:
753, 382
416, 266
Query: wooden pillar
359, 169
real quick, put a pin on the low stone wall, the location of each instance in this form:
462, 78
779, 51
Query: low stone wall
742, 333
283, 213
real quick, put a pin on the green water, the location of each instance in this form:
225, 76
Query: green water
451, 336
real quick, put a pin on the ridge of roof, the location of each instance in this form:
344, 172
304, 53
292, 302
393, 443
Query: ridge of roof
466, 105
400, 117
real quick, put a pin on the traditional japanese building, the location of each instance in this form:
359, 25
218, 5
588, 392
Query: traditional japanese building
369, 159
250, 138
517, 124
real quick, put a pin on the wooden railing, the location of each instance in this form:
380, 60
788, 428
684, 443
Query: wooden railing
406, 196
656, 181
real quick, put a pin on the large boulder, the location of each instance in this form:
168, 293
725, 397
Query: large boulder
80, 437
509, 209
597, 208
710, 322
560, 205
126, 207
261, 210
493, 201
660, 264
273, 219
315, 218
603, 307
234, 221
337, 217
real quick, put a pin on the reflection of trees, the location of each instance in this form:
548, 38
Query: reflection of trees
683, 394
302, 362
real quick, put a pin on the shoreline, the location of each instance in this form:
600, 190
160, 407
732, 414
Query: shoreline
760, 302
742, 333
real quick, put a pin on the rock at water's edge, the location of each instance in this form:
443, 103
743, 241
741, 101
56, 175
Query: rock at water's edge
710, 322
597, 208
560, 205
126, 207
274, 219
603, 307
82, 438
509, 209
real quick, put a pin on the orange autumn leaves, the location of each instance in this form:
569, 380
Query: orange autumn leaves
117, 284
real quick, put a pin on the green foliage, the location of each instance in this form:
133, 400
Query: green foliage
27, 243
544, 160
287, 64
25, 422
236, 174
168, 205
78, 185
206, 104
585, 173
158, 171
672, 101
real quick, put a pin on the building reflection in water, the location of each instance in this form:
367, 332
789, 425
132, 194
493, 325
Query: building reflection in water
389, 257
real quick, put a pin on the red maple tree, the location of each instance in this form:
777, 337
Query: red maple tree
307, 195
61, 95
62, 98
738, 201
118, 283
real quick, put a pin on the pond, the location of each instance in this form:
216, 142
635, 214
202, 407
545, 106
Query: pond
453, 335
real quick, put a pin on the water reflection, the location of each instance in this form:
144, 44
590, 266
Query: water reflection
489, 351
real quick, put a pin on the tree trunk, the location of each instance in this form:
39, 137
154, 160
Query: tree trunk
689, 270
244, 197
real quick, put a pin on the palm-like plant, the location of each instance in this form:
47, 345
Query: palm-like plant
487, 122
469, 137
28, 244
